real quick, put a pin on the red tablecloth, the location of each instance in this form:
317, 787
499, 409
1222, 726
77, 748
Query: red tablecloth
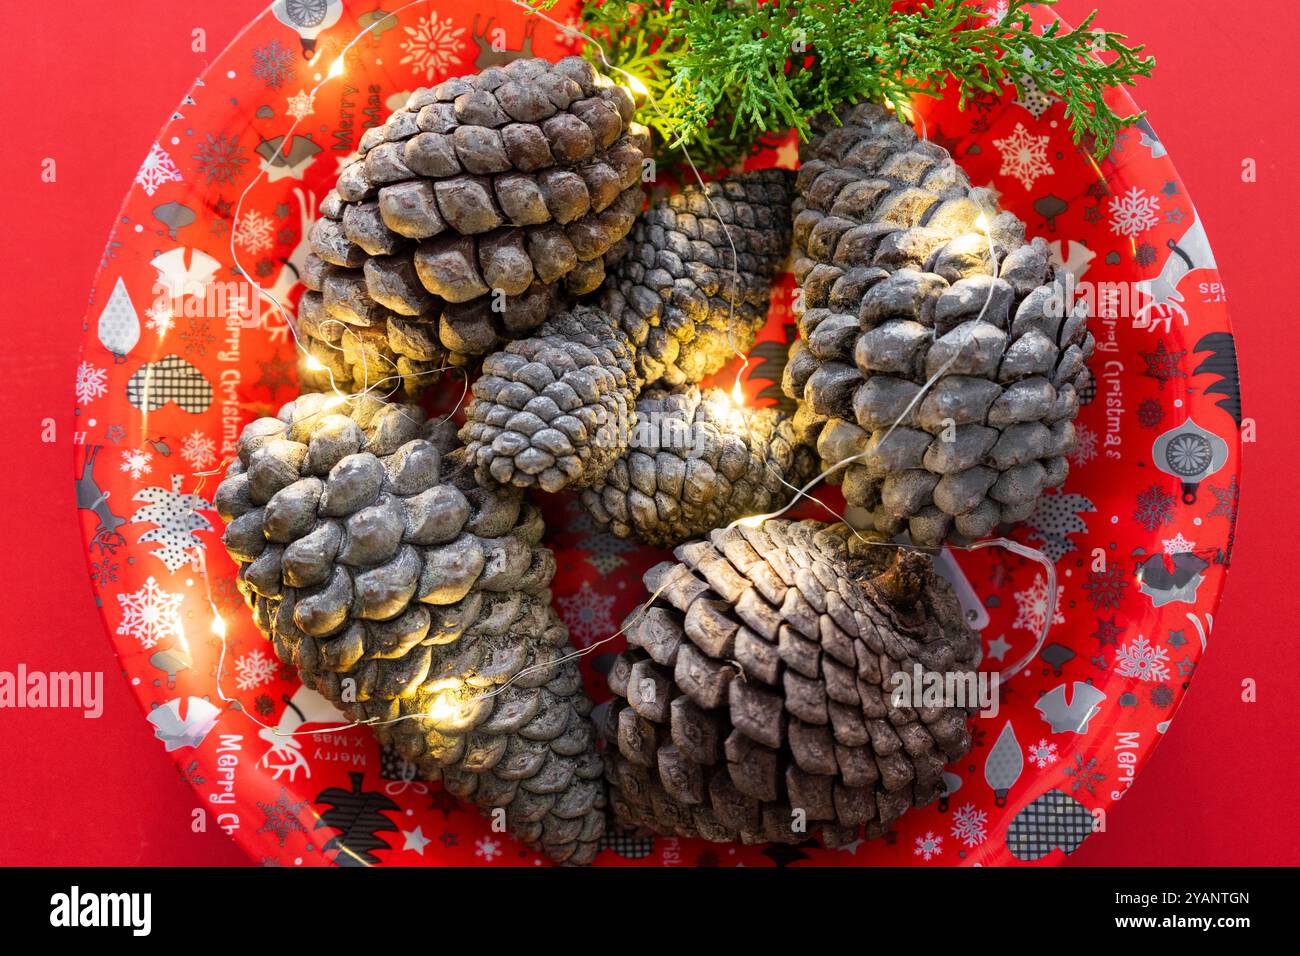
89, 84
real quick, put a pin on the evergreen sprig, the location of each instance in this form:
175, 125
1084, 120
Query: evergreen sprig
726, 74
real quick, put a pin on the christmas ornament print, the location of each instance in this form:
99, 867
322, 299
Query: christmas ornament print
1176, 364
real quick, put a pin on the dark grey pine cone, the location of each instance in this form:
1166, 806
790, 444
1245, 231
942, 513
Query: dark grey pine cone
697, 462
555, 409
470, 213
759, 683
398, 588
895, 271
675, 292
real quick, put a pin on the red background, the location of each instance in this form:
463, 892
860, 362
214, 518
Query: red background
90, 85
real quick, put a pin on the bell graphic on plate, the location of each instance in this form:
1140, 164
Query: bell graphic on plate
1191, 454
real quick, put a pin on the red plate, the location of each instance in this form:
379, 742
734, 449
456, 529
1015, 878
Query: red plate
1140, 534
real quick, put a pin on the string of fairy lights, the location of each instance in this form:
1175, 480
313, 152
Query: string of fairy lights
443, 705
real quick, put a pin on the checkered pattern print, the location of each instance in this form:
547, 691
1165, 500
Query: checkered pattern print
1054, 820
170, 379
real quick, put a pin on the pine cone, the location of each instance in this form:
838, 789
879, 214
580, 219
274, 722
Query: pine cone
675, 291
399, 589
696, 463
759, 683
896, 281
469, 215
556, 409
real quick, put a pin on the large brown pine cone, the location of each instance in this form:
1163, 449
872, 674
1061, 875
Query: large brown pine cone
696, 463
897, 288
400, 589
555, 409
470, 213
758, 684
675, 291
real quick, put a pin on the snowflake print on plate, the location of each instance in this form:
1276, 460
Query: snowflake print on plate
254, 669
159, 318
969, 825
1142, 660
273, 64
1133, 213
300, 105
432, 45
1024, 156
1155, 507
158, 168
92, 382
587, 614
254, 232
199, 450
1085, 446
1042, 754
151, 614
282, 816
1032, 606
137, 463
928, 846
1105, 588
220, 159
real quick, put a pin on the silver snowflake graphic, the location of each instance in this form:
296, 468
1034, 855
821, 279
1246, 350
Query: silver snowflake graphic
150, 614
157, 169
1085, 445
1024, 156
137, 462
273, 64
282, 816
1143, 660
1033, 605
1042, 754
1155, 507
1134, 212
588, 614
928, 846
1178, 545
159, 318
220, 158
199, 450
255, 232
300, 105
92, 382
254, 669
432, 45
970, 825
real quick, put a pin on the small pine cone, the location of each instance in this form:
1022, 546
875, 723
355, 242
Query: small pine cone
675, 290
472, 213
760, 682
556, 409
695, 463
897, 287
400, 589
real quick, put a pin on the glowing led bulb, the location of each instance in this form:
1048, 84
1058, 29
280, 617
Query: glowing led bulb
636, 86
219, 626
336, 69
314, 364
737, 393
